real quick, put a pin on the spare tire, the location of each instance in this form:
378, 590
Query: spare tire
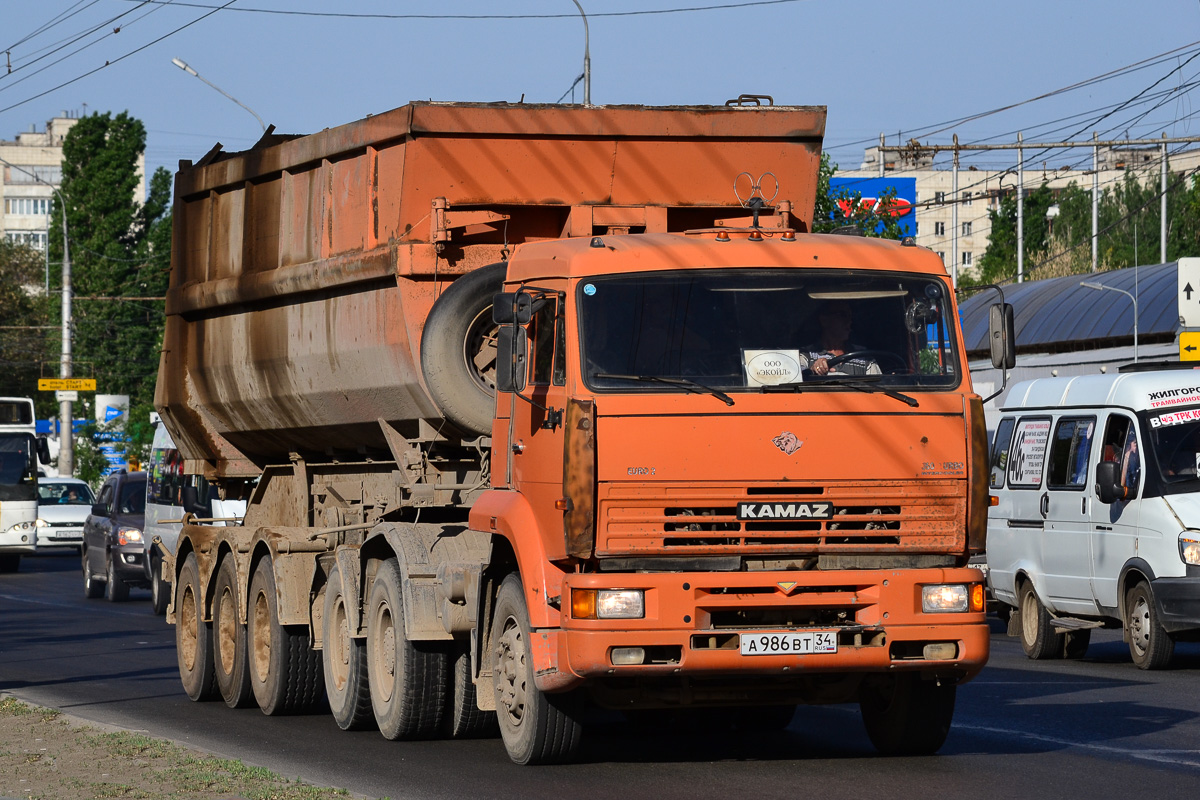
458, 349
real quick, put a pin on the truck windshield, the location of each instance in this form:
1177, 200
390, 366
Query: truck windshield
18, 473
1175, 441
743, 330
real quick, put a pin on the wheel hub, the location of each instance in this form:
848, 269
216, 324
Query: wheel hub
510, 659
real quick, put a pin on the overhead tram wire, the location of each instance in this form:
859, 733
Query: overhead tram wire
8, 85
62, 44
55, 20
591, 15
118, 59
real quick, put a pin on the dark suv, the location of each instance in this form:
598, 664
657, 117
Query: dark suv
112, 538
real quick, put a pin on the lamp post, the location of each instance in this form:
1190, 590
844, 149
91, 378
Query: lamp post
1100, 287
66, 447
587, 59
179, 62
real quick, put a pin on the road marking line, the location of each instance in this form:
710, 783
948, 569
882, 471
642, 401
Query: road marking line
1186, 758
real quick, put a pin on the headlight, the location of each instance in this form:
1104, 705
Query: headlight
1189, 547
127, 535
945, 598
608, 603
28, 526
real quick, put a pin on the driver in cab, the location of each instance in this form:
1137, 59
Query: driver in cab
824, 356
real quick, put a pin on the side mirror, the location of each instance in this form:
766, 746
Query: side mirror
43, 450
190, 500
99, 510
511, 346
1002, 337
512, 307
1108, 482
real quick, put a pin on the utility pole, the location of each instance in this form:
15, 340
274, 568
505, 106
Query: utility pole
1020, 209
1162, 232
953, 216
587, 58
1095, 202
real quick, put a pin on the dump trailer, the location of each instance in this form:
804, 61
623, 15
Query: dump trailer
532, 411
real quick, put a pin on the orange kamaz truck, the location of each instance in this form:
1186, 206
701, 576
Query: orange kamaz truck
537, 408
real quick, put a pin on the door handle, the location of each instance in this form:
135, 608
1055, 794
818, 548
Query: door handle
1083, 508
1045, 506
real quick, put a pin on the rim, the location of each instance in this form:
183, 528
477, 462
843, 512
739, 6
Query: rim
227, 629
339, 661
479, 350
262, 637
510, 663
1029, 614
383, 653
187, 628
1139, 625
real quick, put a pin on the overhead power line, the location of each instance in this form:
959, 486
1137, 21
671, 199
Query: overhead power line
572, 15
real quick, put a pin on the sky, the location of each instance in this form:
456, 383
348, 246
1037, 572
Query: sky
909, 70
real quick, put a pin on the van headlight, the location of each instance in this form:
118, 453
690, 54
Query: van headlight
1189, 547
29, 525
946, 597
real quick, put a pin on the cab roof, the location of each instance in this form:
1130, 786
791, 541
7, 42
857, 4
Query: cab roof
650, 252
1135, 390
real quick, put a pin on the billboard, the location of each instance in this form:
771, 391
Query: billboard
870, 189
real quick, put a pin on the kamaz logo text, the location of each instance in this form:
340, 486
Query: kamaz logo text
785, 510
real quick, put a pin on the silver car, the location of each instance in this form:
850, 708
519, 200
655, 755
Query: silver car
64, 505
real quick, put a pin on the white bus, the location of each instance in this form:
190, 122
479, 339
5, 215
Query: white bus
20, 451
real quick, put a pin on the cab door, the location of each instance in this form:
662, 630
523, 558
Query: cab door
1067, 505
1115, 526
536, 444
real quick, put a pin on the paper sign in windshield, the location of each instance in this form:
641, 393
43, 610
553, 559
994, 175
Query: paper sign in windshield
1029, 452
771, 367
1175, 418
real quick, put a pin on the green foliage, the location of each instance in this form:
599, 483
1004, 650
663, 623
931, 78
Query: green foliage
27, 350
831, 208
1129, 218
120, 248
90, 463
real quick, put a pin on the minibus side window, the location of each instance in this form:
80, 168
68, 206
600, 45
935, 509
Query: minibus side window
1121, 447
1028, 455
1069, 453
1000, 449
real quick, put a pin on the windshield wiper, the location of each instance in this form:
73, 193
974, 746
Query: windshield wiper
690, 386
849, 381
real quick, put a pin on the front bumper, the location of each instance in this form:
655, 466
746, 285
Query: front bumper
128, 563
60, 536
20, 543
1178, 603
693, 622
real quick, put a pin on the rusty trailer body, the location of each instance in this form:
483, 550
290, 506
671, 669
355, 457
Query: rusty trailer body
303, 270
474, 369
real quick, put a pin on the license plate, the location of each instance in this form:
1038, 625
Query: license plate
66, 535
781, 644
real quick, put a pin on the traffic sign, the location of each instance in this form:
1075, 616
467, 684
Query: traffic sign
1189, 292
61, 396
76, 384
1189, 345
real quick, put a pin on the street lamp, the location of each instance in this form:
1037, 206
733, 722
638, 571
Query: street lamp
587, 59
66, 447
179, 62
1100, 287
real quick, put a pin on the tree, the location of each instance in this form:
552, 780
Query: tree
831, 208
998, 264
25, 352
120, 248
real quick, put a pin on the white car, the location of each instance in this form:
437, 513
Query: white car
64, 505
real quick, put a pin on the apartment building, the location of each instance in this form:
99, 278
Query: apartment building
961, 245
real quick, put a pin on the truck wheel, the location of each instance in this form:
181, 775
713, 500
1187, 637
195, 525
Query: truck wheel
1038, 639
906, 716
408, 679
458, 349
464, 719
345, 662
193, 636
1150, 645
115, 589
160, 590
229, 638
537, 728
285, 675
10, 562
91, 587
1075, 643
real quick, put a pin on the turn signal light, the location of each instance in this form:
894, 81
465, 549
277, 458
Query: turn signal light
977, 599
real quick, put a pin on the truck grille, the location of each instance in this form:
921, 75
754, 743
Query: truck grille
913, 516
